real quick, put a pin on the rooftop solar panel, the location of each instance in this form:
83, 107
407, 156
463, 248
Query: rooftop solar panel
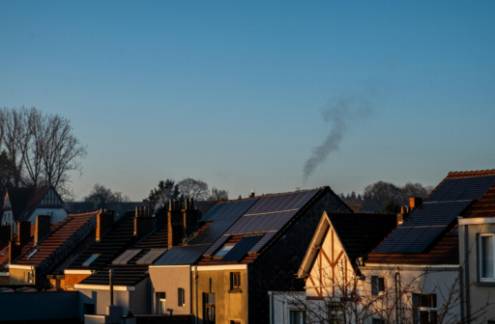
462, 188
241, 248
423, 227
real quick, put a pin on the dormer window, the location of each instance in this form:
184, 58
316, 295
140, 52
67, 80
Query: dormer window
224, 250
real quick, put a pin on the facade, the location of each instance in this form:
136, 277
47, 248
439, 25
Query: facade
47, 251
332, 274
477, 254
260, 252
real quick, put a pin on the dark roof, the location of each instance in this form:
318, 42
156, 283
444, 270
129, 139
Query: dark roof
360, 233
268, 217
60, 243
215, 222
427, 228
25, 200
122, 276
114, 241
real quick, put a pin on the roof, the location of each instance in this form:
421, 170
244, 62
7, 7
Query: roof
25, 200
358, 233
269, 216
215, 222
60, 243
429, 227
114, 241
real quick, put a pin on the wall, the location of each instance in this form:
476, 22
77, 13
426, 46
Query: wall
281, 303
19, 276
230, 305
101, 298
72, 279
43, 306
168, 279
480, 293
57, 214
440, 280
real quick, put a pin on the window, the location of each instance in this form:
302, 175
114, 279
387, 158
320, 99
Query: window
90, 260
160, 299
235, 280
31, 254
181, 297
224, 250
377, 285
296, 317
335, 312
424, 308
235, 322
486, 257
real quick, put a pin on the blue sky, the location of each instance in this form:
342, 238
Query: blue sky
232, 92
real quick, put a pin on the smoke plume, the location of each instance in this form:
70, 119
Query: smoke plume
338, 115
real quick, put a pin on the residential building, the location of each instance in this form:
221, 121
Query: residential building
419, 261
260, 252
331, 271
477, 249
33, 259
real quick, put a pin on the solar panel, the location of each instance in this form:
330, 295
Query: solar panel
241, 248
423, 227
462, 188
126, 256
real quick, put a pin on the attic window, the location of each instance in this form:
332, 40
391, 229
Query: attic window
31, 254
224, 250
90, 260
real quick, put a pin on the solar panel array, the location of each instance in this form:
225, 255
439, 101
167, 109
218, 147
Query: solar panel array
469, 188
422, 227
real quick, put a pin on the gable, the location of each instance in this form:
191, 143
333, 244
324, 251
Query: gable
51, 200
331, 269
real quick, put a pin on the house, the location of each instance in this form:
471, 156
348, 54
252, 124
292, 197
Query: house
25, 204
331, 271
418, 264
33, 259
477, 249
260, 252
113, 272
172, 274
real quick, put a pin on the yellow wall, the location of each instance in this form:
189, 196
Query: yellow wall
20, 276
230, 305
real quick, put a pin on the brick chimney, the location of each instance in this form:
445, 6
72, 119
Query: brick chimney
182, 220
143, 221
189, 217
41, 228
23, 232
415, 202
402, 214
104, 221
14, 250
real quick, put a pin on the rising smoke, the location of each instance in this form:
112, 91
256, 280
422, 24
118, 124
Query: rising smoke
339, 113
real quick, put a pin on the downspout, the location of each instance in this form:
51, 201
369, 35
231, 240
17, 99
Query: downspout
110, 283
398, 299
196, 293
467, 274
270, 293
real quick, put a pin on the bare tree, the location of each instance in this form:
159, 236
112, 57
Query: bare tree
192, 188
100, 196
41, 148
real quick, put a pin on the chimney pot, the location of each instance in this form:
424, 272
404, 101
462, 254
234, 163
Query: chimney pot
415, 202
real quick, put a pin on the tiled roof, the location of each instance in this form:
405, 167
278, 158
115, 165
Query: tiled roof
60, 243
114, 241
445, 251
427, 235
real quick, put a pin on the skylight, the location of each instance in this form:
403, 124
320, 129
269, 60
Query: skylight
224, 250
90, 260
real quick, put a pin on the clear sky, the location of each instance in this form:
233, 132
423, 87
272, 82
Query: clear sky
231, 92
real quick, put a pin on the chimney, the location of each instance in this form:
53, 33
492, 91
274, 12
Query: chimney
14, 250
175, 228
41, 228
402, 215
143, 221
104, 220
189, 217
23, 232
415, 202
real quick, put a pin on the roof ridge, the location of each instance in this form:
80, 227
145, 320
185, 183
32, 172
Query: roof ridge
89, 213
471, 173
